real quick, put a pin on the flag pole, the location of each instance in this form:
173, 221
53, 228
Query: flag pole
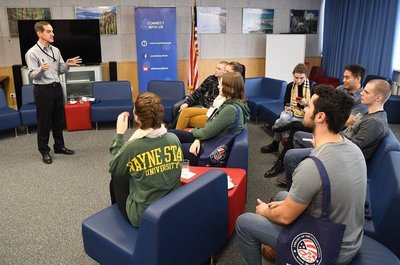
194, 52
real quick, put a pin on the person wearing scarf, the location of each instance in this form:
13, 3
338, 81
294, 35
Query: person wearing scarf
146, 167
297, 95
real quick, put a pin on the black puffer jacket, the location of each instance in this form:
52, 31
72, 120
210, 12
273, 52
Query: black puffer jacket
205, 94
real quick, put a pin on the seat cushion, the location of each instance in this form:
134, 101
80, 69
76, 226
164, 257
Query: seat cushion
255, 102
28, 114
9, 118
374, 253
269, 112
108, 237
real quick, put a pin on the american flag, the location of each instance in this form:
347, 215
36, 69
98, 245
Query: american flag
194, 52
307, 250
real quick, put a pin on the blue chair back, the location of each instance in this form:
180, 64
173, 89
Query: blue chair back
371, 77
3, 101
384, 199
167, 89
27, 95
252, 86
239, 155
112, 90
388, 143
273, 88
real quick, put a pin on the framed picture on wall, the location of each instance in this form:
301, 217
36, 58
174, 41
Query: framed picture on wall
107, 16
258, 21
211, 19
304, 21
15, 14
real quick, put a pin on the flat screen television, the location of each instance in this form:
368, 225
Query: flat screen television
72, 36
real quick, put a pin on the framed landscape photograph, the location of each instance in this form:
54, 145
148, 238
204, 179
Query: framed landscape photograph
258, 21
107, 16
211, 20
304, 21
15, 14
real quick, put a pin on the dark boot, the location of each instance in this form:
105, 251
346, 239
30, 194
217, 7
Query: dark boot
275, 170
272, 147
279, 128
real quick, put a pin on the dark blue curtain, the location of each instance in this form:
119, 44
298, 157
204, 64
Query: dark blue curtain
359, 31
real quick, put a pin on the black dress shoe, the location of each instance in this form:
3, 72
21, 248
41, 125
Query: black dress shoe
279, 128
275, 170
272, 147
64, 151
47, 159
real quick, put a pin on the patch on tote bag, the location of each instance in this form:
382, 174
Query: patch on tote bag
219, 154
306, 249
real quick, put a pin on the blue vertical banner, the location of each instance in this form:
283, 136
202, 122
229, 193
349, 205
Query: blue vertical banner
156, 44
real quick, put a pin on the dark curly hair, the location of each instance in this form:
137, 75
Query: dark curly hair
336, 105
149, 110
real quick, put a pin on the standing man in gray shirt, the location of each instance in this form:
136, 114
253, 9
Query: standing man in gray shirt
45, 65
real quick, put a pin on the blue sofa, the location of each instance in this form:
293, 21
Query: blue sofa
374, 253
186, 226
111, 98
374, 163
263, 90
9, 118
384, 202
28, 107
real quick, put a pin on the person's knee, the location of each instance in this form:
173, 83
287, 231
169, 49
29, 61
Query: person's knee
289, 158
281, 196
243, 221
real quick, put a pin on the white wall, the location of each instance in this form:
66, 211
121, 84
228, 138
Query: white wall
122, 47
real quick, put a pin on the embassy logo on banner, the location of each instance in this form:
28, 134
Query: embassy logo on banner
156, 44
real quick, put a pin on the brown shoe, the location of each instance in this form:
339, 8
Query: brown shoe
281, 181
268, 253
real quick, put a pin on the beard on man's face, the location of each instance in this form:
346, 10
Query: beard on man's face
309, 122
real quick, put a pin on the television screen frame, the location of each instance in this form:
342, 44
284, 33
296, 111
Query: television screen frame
74, 37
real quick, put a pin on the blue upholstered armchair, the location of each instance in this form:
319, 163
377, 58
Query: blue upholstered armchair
28, 107
170, 92
111, 98
266, 90
9, 118
186, 226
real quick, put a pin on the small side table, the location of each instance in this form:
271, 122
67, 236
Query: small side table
77, 116
236, 195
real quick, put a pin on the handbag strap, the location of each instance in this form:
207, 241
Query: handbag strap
238, 111
326, 188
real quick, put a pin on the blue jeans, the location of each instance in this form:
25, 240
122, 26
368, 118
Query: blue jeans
254, 230
284, 118
298, 139
292, 159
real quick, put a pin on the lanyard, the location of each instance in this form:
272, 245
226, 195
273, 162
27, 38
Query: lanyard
52, 57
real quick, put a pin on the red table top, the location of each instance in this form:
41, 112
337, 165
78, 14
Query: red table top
78, 104
237, 175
